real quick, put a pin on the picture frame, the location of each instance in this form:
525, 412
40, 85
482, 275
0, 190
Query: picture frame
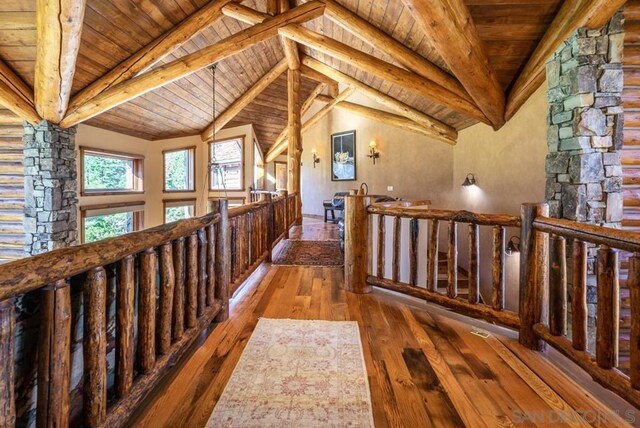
343, 156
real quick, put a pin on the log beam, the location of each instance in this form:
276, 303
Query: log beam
294, 79
189, 64
318, 77
244, 100
380, 40
377, 67
291, 50
16, 95
572, 15
441, 128
153, 51
449, 27
59, 28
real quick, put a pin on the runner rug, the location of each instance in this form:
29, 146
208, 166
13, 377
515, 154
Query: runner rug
295, 252
298, 373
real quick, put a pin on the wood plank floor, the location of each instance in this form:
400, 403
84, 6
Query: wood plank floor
425, 369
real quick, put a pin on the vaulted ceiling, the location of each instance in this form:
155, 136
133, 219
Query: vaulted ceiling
113, 30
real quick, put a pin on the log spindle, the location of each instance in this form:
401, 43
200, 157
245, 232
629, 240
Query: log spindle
534, 277
356, 244
557, 286
579, 314
607, 310
414, 231
211, 260
191, 291
498, 297
432, 256
202, 272
178, 291
452, 261
474, 263
147, 311
167, 286
125, 316
270, 218
223, 244
54, 353
7, 370
395, 262
633, 282
95, 348
381, 245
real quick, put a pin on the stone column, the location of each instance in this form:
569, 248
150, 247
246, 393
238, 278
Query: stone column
584, 176
50, 188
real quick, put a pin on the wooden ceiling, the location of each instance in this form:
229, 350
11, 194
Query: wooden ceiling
113, 30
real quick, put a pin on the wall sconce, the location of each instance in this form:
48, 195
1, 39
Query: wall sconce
373, 153
316, 159
470, 180
513, 246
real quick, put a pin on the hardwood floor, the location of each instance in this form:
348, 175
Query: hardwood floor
426, 369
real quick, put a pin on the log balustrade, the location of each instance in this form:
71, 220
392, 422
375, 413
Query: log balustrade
169, 284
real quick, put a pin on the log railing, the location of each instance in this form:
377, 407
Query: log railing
167, 284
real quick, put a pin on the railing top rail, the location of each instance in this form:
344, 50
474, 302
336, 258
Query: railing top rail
28, 274
244, 209
447, 215
614, 238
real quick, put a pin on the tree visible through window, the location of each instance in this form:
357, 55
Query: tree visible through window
107, 226
178, 210
227, 159
179, 170
106, 172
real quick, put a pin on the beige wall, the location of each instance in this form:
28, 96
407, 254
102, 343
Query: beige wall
153, 195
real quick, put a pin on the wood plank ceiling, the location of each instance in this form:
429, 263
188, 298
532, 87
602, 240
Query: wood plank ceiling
115, 29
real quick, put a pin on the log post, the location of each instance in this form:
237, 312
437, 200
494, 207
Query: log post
178, 291
452, 261
167, 285
285, 209
474, 263
223, 267
7, 372
607, 311
54, 354
432, 256
95, 347
202, 271
211, 264
381, 245
191, 291
558, 286
356, 244
414, 230
633, 282
497, 297
147, 311
579, 311
270, 218
125, 316
534, 278
295, 139
395, 261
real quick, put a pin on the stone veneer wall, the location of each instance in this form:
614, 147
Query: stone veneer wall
584, 176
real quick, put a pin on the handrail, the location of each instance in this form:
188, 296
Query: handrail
446, 215
28, 274
245, 209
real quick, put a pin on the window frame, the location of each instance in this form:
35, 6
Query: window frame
242, 164
192, 169
138, 215
275, 173
231, 200
167, 203
138, 172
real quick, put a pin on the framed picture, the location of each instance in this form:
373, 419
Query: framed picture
343, 152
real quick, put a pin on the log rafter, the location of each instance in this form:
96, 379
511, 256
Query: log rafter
16, 95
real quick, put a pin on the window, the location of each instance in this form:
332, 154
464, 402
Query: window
227, 159
109, 220
179, 170
281, 175
179, 209
106, 172
237, 201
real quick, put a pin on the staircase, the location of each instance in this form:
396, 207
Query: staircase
463, 278
11, 188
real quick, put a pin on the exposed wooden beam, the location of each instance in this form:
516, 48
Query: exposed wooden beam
451, 31
244, 100
382, 117
153, 51
377, 67
380, 40
291, 49
282, 143
188, 64
59, 28
312, 97
7, 117
447, 132
318, 77
572, 15
272, 7
294, 124
16, 95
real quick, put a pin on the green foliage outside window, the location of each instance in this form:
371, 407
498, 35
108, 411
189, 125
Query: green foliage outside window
177, 173
102, 173
178, 213
107, 226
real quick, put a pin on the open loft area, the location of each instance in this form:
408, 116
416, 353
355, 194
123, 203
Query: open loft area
319, 213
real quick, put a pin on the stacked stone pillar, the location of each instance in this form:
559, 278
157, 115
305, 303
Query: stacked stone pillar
584, 176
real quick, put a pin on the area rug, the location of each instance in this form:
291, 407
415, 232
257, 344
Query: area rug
298, 373
295, 252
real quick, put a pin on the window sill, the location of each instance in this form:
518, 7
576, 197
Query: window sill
111, 192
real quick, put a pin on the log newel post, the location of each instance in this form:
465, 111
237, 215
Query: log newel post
270, 226
7, 371
223, 260
356, 244
534, 277
287, 220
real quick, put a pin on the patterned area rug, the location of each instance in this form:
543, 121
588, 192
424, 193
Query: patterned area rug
309, 253
298, 373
